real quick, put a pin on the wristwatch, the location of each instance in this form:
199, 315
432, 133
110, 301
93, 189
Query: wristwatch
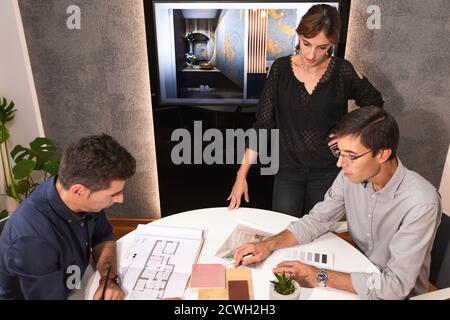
322, 277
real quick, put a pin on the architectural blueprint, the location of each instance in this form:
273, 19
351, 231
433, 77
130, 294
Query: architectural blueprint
159, 262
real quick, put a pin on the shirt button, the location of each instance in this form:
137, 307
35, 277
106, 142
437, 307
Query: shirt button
369, 215
82, 224
69, 221
87, 244
368, 234
373, 196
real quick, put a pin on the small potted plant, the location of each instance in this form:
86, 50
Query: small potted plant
284, 288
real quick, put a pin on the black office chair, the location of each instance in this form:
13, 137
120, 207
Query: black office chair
440, 255
2, 224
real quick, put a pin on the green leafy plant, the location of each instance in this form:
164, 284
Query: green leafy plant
284, 285
39, 156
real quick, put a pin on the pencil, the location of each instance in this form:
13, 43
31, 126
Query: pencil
105, 284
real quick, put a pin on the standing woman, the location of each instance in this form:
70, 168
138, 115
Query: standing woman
304, 96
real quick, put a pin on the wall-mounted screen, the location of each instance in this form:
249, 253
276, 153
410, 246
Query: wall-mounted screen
218, 53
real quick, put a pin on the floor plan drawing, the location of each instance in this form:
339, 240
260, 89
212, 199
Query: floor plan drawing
159, 262
158, 269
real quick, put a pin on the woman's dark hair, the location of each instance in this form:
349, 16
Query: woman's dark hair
320, 17
376, 129
95, 161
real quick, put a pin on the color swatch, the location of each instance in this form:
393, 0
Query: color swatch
208, 276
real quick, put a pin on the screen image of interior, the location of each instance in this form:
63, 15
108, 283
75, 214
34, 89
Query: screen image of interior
220, 53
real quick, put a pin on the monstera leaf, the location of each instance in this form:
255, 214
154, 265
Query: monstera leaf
23, 187
52, 166
6, 111
4, 133
3, 214
41, 155
41, 149
6, 115
23, 168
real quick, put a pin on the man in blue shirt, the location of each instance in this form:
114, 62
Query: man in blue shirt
48, 242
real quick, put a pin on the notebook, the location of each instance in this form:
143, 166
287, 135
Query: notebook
210, 276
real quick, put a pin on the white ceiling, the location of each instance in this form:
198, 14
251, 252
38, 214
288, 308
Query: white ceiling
199, 13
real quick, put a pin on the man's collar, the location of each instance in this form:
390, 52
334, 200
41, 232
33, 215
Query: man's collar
394, 182
60, 207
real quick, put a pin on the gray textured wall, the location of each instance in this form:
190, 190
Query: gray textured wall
408, 59
96, 80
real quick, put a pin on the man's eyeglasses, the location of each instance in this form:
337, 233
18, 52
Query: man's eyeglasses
337, 153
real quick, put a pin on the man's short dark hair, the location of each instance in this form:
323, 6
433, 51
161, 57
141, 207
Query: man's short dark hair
376, 128
95, 161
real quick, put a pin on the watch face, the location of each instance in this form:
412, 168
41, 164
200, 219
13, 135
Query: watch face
322, 277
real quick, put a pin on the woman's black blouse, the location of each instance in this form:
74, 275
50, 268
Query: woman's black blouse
305, 121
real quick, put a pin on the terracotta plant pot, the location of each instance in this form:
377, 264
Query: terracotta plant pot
273, 295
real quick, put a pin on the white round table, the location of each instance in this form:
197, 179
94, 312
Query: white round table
219, 223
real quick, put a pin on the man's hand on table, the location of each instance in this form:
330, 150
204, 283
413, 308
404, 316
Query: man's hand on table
258, 250
304, 274
113, 292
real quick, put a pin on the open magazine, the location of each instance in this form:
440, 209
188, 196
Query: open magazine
241, 234
159, 262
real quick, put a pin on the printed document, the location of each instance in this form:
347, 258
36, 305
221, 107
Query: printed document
159, 262
242, 234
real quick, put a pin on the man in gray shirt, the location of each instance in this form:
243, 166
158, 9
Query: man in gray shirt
392, 215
